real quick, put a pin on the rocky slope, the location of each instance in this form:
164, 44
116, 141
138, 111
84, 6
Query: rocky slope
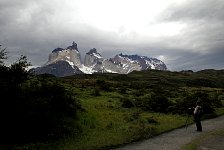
69, 54
122, 64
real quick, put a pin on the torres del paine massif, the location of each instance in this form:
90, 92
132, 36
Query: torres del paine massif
67, 61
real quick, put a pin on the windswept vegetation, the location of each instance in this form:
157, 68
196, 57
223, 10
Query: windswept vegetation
100, 111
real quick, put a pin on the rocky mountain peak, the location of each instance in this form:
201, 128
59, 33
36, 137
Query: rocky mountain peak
93, 52
57, 50
94, 63
92, 58
132, 57
74, 46
69, 54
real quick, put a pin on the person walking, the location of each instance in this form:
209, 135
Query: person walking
197, 116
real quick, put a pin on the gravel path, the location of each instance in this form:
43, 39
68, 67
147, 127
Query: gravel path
212, 143
177, 138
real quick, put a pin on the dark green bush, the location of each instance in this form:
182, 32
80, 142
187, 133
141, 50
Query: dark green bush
126, 102
96, 91
123, 90
153, 102
50, 101
159, 103
103, 85
208, 103
202, 82
139, 92
34, 108
152, 120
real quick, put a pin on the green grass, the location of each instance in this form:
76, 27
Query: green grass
105, 124
219, 111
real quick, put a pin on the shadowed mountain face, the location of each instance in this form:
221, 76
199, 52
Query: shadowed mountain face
58, 69
67, 61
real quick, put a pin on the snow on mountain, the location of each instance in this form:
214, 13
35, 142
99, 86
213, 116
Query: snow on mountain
69, 54
92, 58
125, 64
87, 70
95, 63
145, 62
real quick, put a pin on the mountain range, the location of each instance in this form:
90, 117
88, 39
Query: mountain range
67, 61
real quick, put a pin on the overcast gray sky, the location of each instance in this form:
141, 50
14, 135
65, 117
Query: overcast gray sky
185, 34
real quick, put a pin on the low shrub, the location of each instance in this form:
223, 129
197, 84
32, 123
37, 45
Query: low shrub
126, 102
34, 108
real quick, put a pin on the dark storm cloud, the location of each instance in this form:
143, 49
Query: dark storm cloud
199, 45
34, 28
19, 27
191, 10
27, 29
204, 19
204, 34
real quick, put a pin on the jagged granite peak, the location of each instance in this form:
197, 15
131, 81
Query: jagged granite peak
92, 58
57, 50
69, 54
93, 52
125, 64
74, 46
70, 58
146, 62
155, 64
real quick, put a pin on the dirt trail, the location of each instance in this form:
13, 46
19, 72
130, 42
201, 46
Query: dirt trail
177, 138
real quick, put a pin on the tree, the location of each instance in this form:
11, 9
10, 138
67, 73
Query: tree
33, 108
190, 100
18, 71
3, 55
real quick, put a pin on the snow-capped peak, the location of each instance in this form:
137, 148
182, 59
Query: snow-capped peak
93, 52
94, 63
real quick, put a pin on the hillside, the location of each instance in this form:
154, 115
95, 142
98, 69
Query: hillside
155, 78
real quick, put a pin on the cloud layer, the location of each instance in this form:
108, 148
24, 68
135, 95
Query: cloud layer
185, 34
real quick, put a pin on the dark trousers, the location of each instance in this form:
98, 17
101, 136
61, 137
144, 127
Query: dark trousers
198, 124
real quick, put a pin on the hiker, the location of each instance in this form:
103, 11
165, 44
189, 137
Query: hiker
197, 116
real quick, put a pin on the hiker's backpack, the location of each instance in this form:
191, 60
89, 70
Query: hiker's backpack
199, 112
